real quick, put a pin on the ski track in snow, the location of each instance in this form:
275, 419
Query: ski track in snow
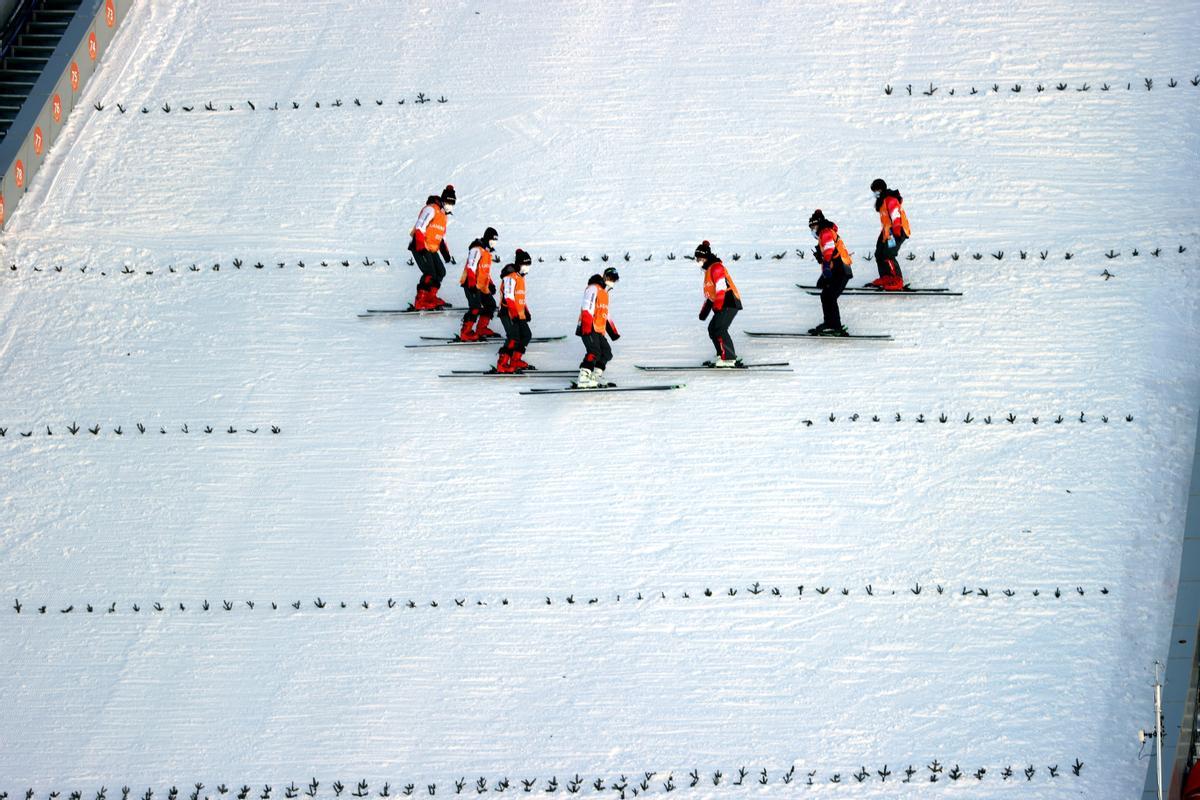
600, 127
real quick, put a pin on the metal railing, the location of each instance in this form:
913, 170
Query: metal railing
22, 12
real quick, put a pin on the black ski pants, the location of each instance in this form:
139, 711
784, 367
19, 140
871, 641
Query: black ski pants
474, 303
718, 331
886, 257
599, 352
487, 305
516, 335
831, 289
433, 270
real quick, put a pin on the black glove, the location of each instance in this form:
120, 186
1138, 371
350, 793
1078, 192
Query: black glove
612, 331
705, 309
528, 316
491, 288
579, 330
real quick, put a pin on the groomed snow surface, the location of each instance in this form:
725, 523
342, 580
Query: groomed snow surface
569, 560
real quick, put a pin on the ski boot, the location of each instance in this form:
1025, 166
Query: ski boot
482, 331
468, 334
724, 363
829, 330
586, 380
504, 364
519, 363
426, 300
818, 329
890, 283
598, 377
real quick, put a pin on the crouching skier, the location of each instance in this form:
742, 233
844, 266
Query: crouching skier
894, 231
595, 328
835, 262
723, 300
429, 248
476, 282
514, 315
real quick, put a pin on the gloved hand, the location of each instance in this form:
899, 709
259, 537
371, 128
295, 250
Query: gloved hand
452, 261
579, 330
613, 333
827, 271
528, 316
816, 255
705, 309
491, 288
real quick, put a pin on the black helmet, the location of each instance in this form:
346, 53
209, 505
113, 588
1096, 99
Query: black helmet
816, 219
611, 274
878, 185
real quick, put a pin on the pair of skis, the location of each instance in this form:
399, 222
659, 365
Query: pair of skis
780, 366
380, 313
525, 373
881, 337
907, 291
441, 341
557, 374
775, 366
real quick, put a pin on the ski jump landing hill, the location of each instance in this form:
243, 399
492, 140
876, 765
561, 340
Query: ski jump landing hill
250, 540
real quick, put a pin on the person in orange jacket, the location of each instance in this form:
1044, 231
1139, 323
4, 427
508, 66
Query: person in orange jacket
835, 261
594, 326
722, 299
894, 232
429, 248
476, 281
514, 315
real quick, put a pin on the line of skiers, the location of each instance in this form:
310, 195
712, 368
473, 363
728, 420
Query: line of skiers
722, 300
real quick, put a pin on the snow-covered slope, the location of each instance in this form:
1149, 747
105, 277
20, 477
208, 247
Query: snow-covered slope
584, 130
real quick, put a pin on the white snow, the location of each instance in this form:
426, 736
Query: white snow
583, 129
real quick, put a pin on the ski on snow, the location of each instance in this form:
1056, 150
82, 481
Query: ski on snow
797, 335
778, 366
438, 341
870, 290
665, 387
401, 312
529, 373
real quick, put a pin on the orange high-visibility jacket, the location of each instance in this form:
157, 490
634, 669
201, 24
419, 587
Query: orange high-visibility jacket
512, 293
831, 245
892, 217
718, 281
483, 273
431, 225
477, 272
593, 313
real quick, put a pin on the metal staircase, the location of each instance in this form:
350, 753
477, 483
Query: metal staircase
29, 38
